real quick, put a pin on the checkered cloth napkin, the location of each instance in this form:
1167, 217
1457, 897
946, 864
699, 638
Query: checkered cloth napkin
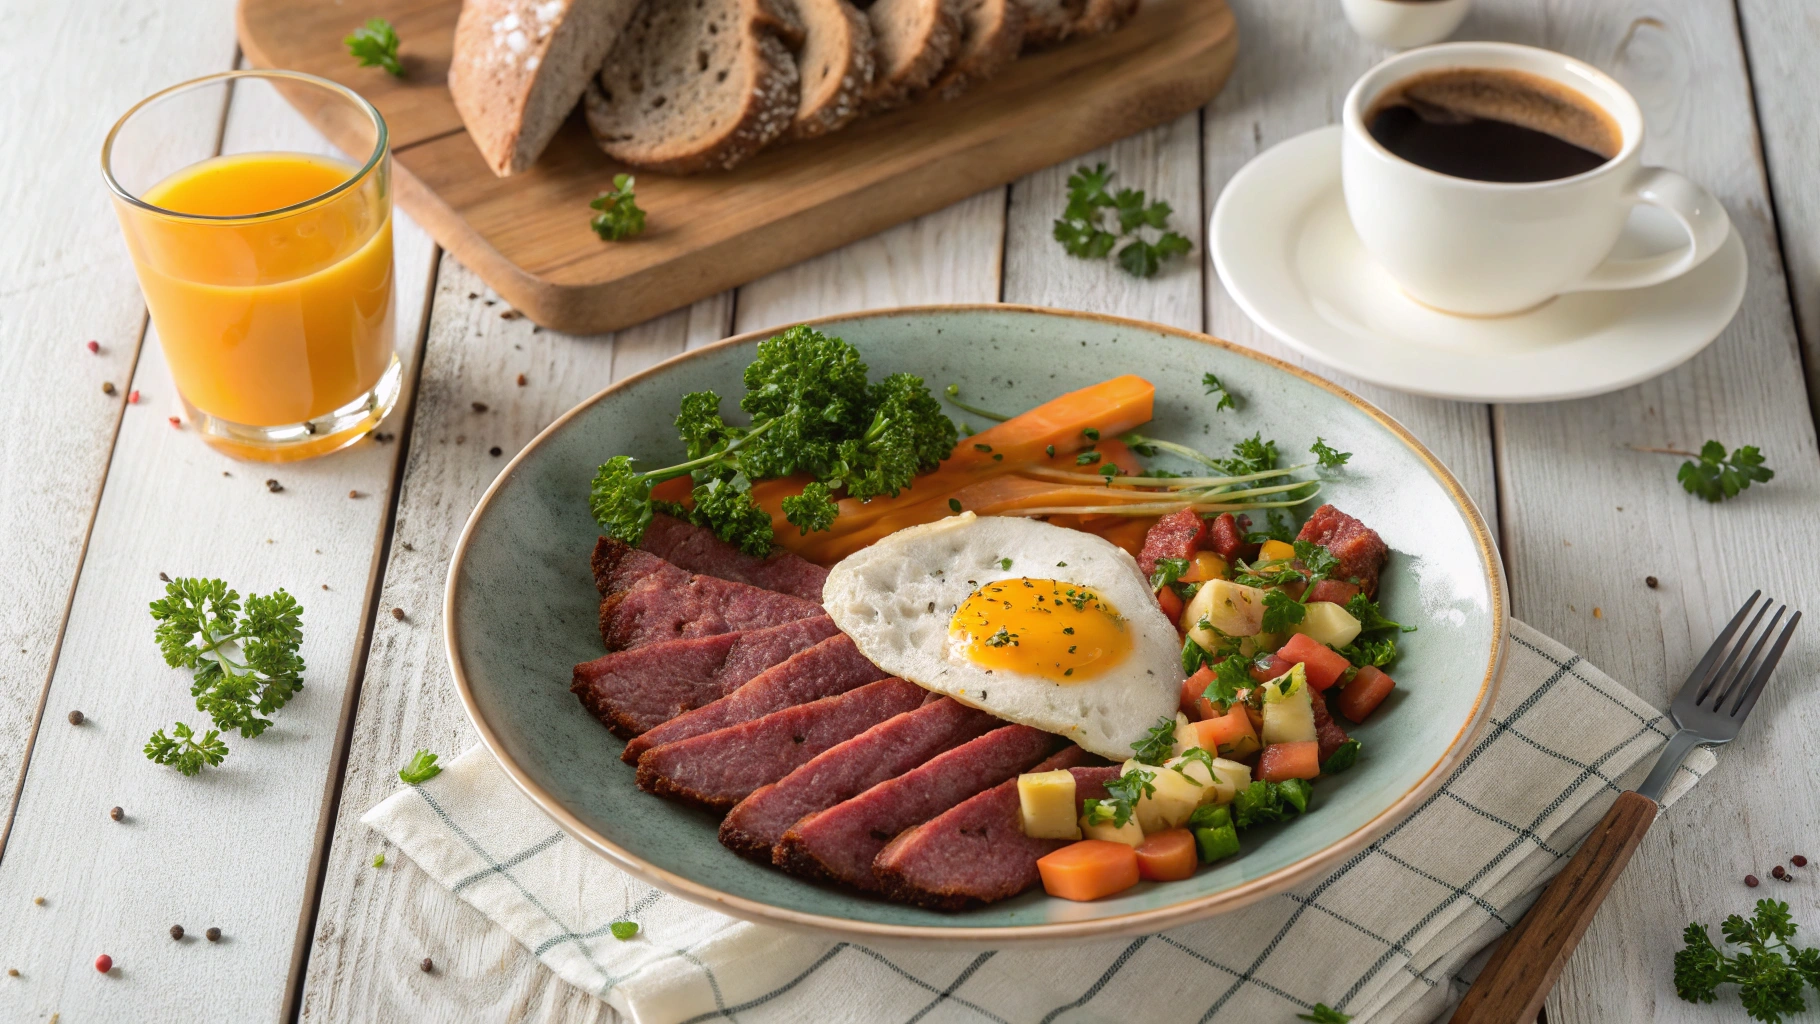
1390, 936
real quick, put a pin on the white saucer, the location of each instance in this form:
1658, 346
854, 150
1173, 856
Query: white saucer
1287, 253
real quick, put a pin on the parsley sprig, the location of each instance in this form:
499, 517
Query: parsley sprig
421, 768
1158, 742
1715, 477
619, 217
375, 44
245, 660
1770, 973
1214, 386
1084, 233
1122, 796
1321, 1013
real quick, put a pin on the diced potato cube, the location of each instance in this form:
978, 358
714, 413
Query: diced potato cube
1327, 623
1046, 804
1288, 710
1228, 608
1213, 789
1185, 735
1172, 800
1130, 833
1228, 778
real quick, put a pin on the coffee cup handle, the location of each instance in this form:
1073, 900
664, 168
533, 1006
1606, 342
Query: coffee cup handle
1700, 216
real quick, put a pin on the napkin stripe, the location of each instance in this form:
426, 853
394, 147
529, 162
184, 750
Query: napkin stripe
510, 862
913, 979
978, 962
722, 1010
1094, 989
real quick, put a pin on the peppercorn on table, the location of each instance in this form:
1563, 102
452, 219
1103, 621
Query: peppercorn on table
285, 909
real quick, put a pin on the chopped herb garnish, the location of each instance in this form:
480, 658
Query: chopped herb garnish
1004, 563
1003, 638
420, 769
375, 44
1345, 757
982, 447
1214, 386
1201, 755
1327, 455
1086, 458
1229, 677
1091, 433
1324, 1014
1281, 611
379, 860
1168, 570
954, 505
1122, 796
1049, 450
1278, 526
1715, 478
1158, 742
620, 217
1193, 656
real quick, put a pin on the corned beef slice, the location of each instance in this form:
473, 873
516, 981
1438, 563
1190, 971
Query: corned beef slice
646, 599
1328, 731
976, 852
719, 769
830, 667
1177, 535
1228, 537
633, 691
884, 751
1358, 547
840, 843
696, 549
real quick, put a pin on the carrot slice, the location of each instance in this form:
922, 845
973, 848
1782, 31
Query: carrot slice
1088, 870
677, 488
1231, 730
1290, 761
1167, 856
1130, 535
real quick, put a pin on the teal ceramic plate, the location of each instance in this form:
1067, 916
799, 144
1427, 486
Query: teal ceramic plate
521, 611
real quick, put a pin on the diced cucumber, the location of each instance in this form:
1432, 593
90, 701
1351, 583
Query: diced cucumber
1217, 843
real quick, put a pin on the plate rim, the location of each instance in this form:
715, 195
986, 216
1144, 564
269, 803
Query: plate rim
1222, 261
1135, 922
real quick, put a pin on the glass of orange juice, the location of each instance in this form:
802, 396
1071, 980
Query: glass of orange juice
267, 272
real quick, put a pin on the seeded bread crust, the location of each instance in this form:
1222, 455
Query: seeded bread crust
992, 33
1103, 16
1048, 22
836, 63
698, 86
915, 38
520, 66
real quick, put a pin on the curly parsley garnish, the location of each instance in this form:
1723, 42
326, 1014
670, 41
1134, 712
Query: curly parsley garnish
620, 217
421, 768
1083, 232
1770, 973
375, 44
245, 662
1327, 455
1715, 477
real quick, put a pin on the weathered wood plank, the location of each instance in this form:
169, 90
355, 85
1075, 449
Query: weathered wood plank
1304, 58
1587, 518
374, 926
67, 280
233, 847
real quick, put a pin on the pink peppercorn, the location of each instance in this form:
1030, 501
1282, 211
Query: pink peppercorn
133, 397
1798, 861
175, 422
104, 963
94, 346
1777, 871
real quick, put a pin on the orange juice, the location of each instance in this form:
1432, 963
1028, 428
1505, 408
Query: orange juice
271, 309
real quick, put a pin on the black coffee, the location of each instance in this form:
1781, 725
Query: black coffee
1491, 124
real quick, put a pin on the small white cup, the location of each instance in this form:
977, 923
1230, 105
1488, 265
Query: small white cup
1484, 248
1405, 23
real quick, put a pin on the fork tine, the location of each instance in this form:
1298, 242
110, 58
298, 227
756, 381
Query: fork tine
1696, 678
1723, 645
1748, 699
1738, 681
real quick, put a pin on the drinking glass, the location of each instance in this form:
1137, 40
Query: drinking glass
268, 273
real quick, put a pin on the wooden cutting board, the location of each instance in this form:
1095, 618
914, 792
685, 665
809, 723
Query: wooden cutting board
528, 235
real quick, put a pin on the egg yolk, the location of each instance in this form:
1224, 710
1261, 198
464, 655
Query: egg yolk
1048, 628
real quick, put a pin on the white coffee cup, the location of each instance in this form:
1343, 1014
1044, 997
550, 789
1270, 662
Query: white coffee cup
1483, 248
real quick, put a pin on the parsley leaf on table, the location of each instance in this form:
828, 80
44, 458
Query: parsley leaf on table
1714, 477
421, 768
245, 662
375, 44
1324, 1014
1214, 386
1769, 986
620, 217
1084, 232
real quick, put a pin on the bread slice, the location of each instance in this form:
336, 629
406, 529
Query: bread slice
519, 66
915, 38
1102, 16
1048, 22
695, 85
992, 33
836, 63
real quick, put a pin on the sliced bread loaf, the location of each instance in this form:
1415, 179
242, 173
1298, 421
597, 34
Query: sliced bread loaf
992, 33
915, 39
694, 85
1102, 16
836, 64
1048, 22
519, 66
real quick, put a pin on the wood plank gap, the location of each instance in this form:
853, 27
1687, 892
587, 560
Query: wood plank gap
69, 599
1500, 487
332, 785
426, 140
1751, 92
1205, 227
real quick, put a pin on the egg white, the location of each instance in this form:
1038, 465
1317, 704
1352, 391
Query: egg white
897, 597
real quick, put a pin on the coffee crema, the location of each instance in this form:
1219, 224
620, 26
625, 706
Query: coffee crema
1493, 124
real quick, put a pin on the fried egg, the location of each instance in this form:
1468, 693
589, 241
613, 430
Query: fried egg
1036, 624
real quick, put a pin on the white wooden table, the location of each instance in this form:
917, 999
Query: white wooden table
97, 496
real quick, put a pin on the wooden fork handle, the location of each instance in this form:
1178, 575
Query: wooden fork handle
1522, 972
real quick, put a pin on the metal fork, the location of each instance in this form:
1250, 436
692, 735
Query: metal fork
1710, 708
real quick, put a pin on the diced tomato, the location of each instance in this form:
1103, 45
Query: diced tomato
1333, 590
1290, 761
1322, 663
1204, 566
1088, 869
1267, 668
1170, 602
1167, 856
1192, 688
1203, 710
1230, 731
1366, 691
